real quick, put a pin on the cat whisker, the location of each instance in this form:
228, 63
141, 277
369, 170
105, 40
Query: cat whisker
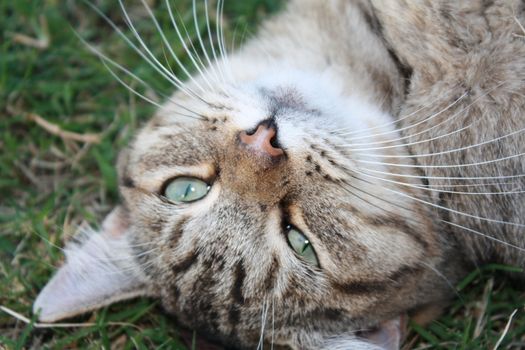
437, 206
443, 277
155, 62
176, 82
106, 60
491, 161
459, 178
356, 150
201, 42
499, 138
173, 54
465, 214
210, 38
484, 235
220, 39
127, 86
264, 314
192, 54
396, 121
454, 116
273, 321
427, 119
475, 185
198, 116
234, 37
48, 241
380, 199
424, 188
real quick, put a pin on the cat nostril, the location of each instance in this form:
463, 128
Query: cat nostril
263, 140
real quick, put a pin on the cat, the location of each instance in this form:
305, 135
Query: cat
337, 174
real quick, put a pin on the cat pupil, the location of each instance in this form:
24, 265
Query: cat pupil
301, 245
189, 189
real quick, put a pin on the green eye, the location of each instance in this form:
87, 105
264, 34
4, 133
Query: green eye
302, 246
186, 189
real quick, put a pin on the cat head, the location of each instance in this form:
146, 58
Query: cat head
262, 211
247, 214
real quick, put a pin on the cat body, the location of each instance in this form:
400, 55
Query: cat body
471, 47
297, 132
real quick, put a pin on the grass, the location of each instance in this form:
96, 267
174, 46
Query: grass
50, 183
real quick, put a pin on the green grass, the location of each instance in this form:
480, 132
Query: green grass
49, 185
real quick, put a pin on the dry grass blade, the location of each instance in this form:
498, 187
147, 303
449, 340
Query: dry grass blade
481, 318
29, 175
506, 330
26, 320
41, 43
64, 134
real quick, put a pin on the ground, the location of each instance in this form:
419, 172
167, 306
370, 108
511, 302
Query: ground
63, 118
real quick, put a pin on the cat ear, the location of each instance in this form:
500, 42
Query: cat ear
97, 272
389, 334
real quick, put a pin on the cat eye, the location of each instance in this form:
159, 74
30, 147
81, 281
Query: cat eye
186, 189
301, 245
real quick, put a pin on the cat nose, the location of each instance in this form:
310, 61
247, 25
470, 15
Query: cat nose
262, 141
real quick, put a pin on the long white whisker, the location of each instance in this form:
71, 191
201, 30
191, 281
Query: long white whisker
168, 77
105, 59
234, 35
410, 143
476, 185
210, 38
264, 312
222, 45
273, 321
218, 38
440, 206
393, 122
454, 116
484, 235
201, 42
424, 188
448, 151
412, 125
123, 83
198, 65
173, 54
115, 75
159, 66
193, 53
442, 166
466, 178
442, 276
408, 217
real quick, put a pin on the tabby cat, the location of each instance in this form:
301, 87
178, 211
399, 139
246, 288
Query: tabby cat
341, 171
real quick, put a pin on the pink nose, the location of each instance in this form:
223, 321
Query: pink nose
261, 140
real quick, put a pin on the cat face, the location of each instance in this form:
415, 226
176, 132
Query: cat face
262, 209
273, 179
